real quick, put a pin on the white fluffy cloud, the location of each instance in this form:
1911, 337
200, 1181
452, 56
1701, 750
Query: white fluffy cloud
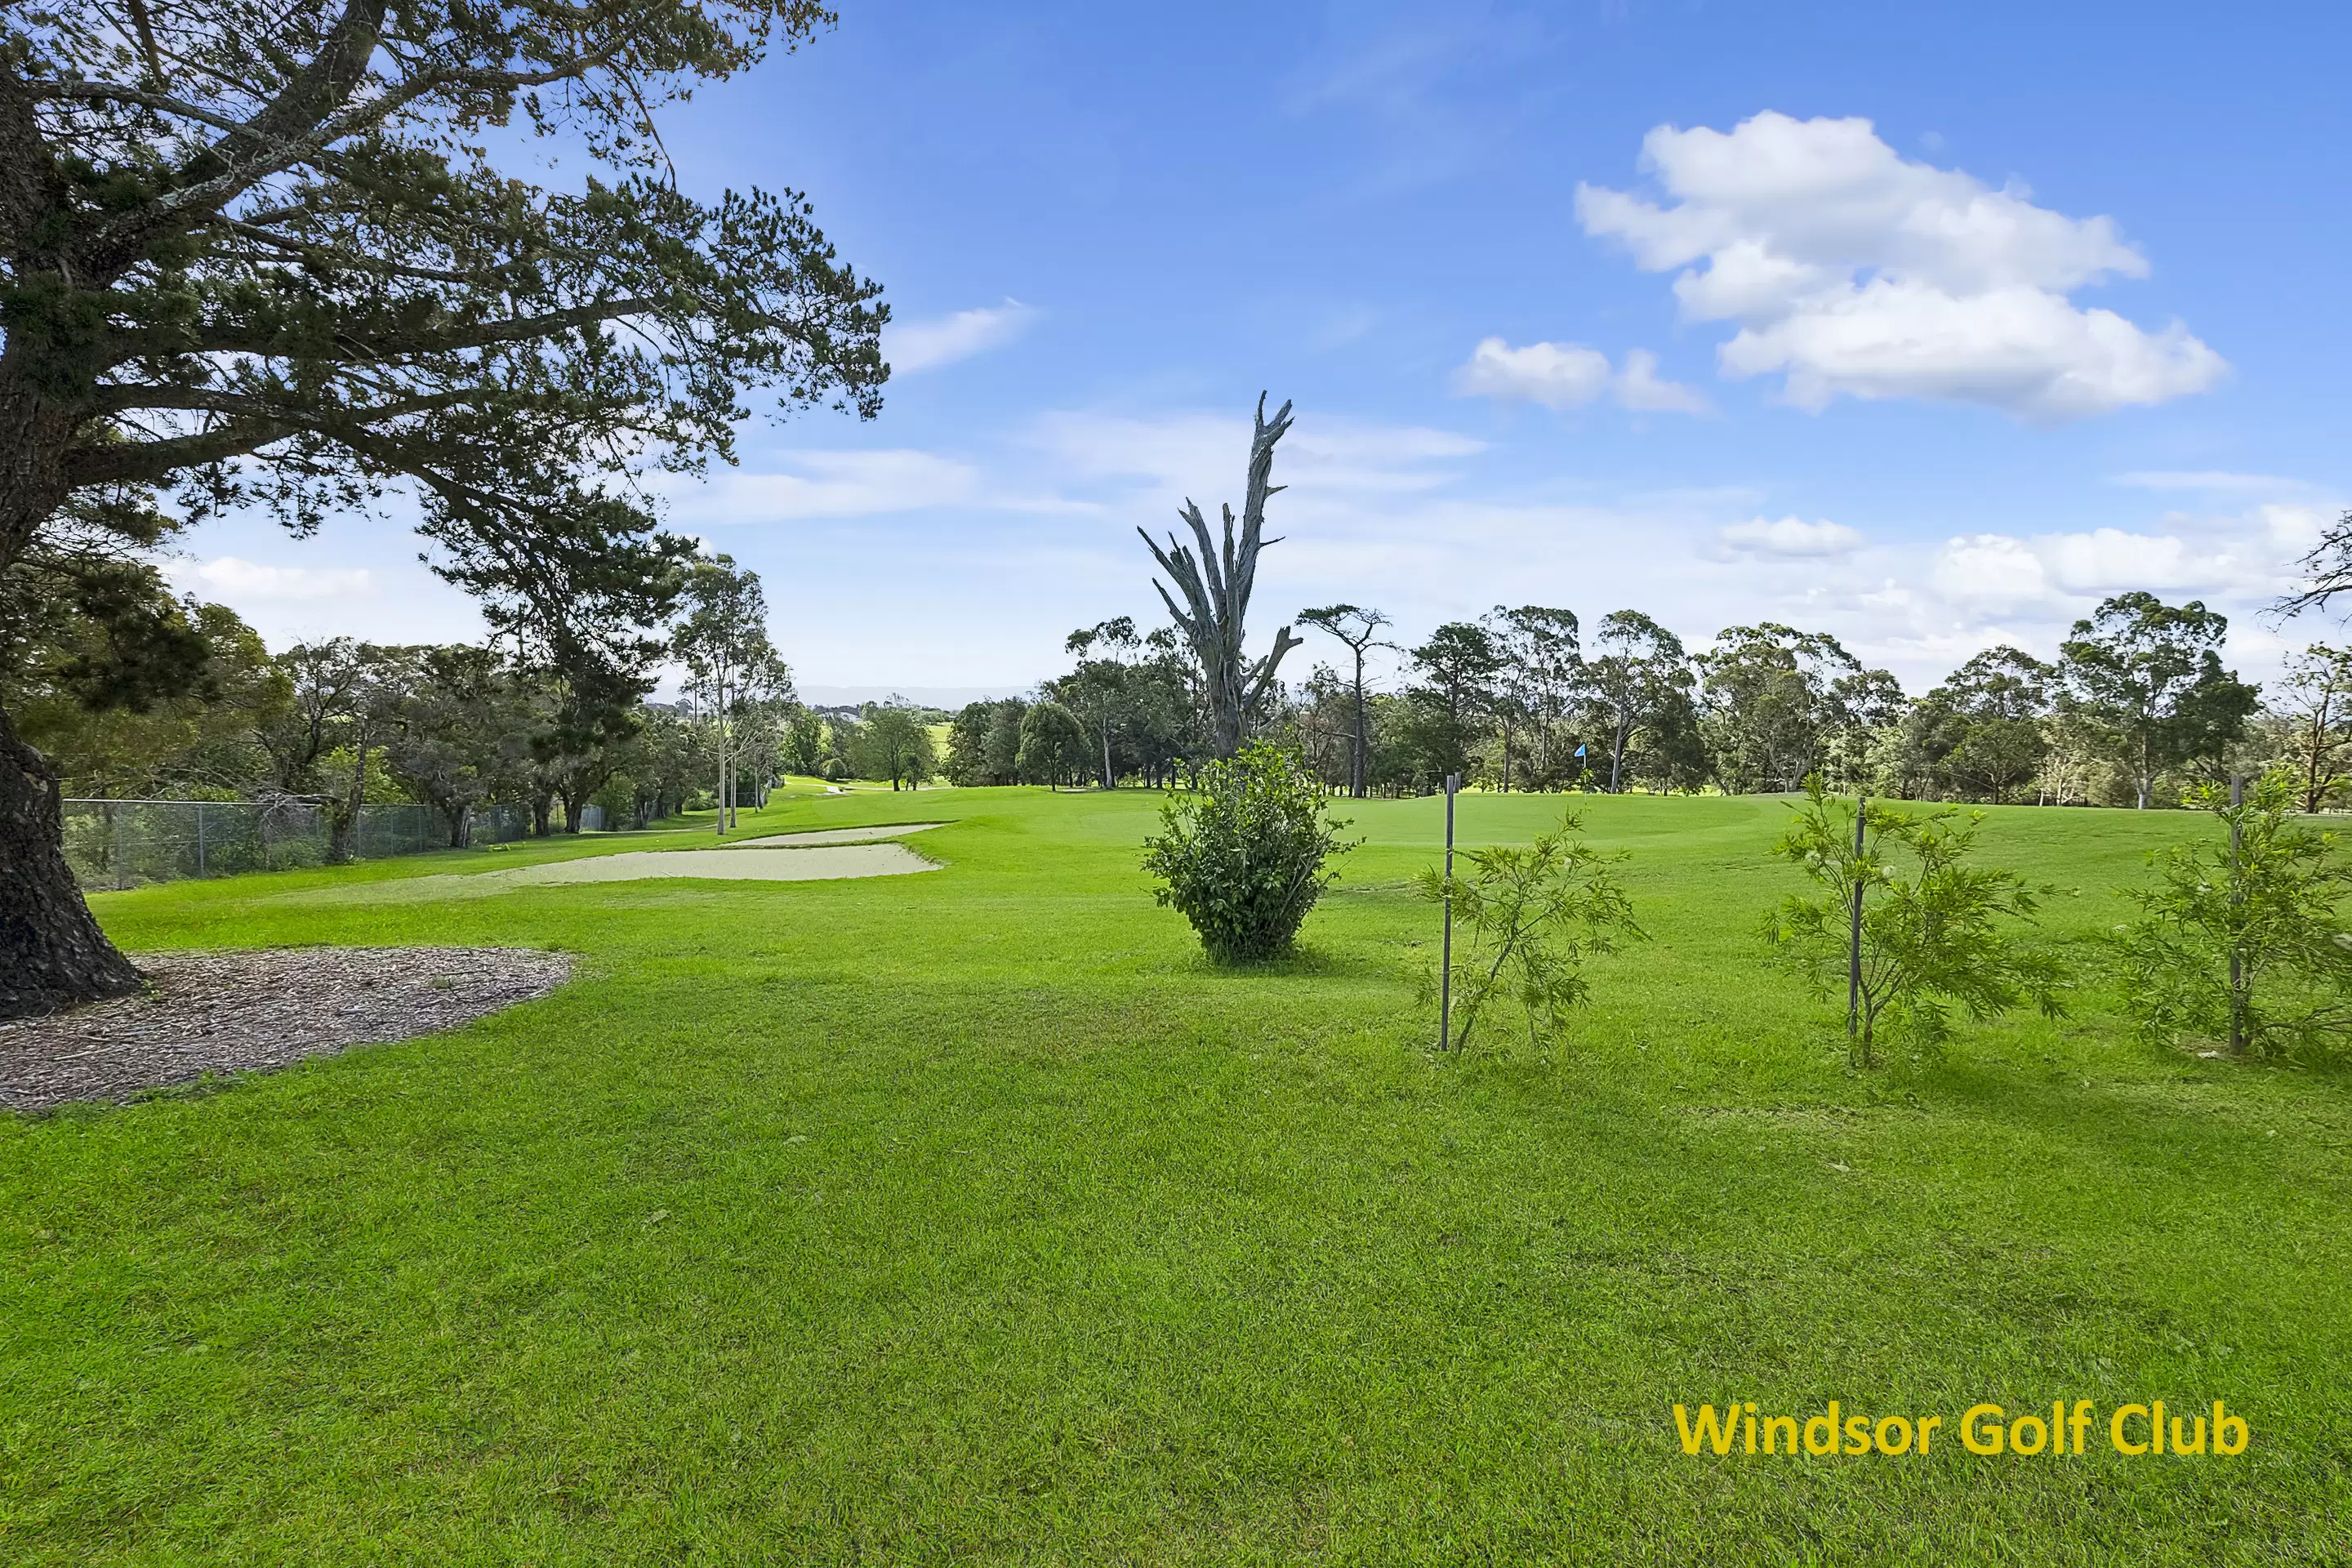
2247, 559
1789, 539
943, 340
1569, 376
1850, 269
234, 580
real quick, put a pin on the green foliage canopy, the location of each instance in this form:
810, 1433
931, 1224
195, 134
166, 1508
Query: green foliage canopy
1246, 856
1530, 917
1934, 927
2242, 938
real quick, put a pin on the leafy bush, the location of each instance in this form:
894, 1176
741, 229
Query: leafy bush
1530, 916
1932, 935
1244, 858
2241, 941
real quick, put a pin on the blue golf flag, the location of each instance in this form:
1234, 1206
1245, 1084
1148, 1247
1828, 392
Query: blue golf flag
1579, 750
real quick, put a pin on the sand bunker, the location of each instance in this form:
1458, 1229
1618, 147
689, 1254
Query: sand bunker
833, 835
735, 863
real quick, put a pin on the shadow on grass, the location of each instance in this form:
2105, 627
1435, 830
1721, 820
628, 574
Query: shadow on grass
1305, 961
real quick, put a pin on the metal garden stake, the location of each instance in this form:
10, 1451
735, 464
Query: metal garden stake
1854, 939
1446, 962
2237, 897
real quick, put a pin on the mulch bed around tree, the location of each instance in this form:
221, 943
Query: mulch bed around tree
241, 1011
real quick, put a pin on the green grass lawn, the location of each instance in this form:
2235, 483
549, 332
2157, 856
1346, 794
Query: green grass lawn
970, 1217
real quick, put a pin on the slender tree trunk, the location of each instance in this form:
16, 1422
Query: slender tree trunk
52, 954
357, 796
2311, 771
1356, 768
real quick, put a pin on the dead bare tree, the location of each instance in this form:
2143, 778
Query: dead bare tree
1216, 588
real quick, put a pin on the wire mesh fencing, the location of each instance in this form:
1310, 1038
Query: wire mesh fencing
124, 843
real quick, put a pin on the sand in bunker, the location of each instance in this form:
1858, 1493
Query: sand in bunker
816, 863
833, 835
735, 862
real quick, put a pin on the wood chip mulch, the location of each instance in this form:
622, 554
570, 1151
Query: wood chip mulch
242, 1012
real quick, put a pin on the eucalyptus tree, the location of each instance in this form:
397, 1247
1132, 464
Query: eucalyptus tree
322, 680
1637, 670
2328, 570
274, 255
1216, 587
1769, 704
2315, 699
1097, 690
1359, 630
447, 746
731, 667
1538, 680
1451, 703
381, 676
1054, 743
1984, 733
895, 744
2146, 679
199, 739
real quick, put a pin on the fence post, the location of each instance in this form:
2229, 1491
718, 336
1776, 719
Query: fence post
200, 838
114, 832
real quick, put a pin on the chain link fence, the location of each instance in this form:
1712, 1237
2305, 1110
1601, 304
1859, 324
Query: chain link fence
124, 843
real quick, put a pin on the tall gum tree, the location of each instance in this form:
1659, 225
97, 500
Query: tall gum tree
263, 254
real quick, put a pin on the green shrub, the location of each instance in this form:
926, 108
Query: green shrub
2241, 941
1529, 917
1244, 858
1934, 932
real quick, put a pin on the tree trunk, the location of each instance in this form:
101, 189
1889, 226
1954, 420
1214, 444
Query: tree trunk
1356, 764
52, 954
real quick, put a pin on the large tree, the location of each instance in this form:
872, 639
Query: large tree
1982, 735
1097, 691
731, 667
1638, 671
2146, 679
270, 255
1451, 704
1541, 671
2315, 699
1359, 627
895, 744
1216, 587
451, 741
1771, 696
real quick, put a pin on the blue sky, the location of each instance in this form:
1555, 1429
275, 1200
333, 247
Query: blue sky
1927, 325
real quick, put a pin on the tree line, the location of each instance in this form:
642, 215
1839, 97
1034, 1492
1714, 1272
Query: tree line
2137, 706
342, 722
